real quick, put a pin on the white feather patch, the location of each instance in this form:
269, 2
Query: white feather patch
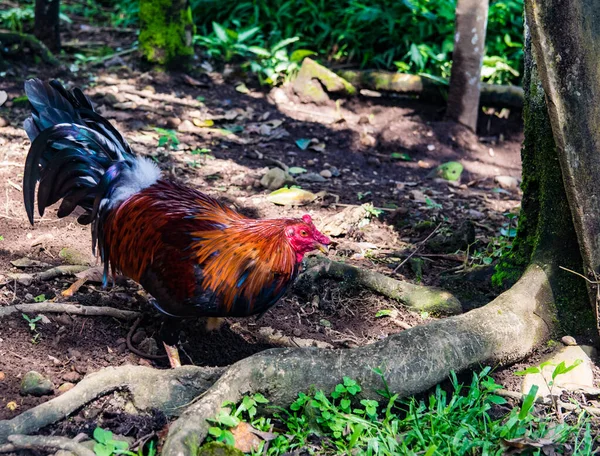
141, 175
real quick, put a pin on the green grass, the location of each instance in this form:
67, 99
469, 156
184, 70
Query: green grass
468, 420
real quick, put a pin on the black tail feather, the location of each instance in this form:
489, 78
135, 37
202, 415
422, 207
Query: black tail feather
72, 149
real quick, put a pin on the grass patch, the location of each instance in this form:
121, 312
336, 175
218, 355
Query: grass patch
468, 420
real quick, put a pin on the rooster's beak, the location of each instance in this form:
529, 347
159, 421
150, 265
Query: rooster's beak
323, 248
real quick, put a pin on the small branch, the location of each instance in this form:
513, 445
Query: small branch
162, 97
110, 56
43, 442
71, 309
60, 271
419, 245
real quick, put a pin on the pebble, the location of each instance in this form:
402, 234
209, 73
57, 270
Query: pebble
373, 161
297, 332
73, 353
173, 122
2, 376
569, 341
71, 377
65, 387
4, 122
326, 173
35, 384
363, 120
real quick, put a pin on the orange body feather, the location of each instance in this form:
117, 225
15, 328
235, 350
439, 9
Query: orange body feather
196, 256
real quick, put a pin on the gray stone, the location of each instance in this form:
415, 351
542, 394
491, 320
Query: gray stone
276, 178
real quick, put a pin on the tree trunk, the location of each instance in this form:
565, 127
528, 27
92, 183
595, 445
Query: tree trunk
567, 48
467, 57
47, 23
166, 31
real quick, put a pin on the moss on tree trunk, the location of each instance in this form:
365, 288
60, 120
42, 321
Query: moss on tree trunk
546, 235
166, 31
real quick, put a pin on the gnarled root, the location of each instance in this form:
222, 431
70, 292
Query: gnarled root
415, 297
166, 390
505, 330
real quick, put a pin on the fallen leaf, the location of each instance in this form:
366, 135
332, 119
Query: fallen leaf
303, 143
295, 170
319, 147
2, 376
423, 164
191, 81
400, 156
241, 88
12, 406
291, 197
450, 171
203, 123
245, 440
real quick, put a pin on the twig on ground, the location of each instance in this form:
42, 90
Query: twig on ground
419, 245
71, 309
44, 442
162, 97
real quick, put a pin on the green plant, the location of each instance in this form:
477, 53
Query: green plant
40, 298
498, 246
455, 423
107, 445
225, 43
167, 138
275, 65
559, 369
32, 322
15, 19
414, 36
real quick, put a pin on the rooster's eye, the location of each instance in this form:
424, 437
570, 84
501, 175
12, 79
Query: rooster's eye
303, 233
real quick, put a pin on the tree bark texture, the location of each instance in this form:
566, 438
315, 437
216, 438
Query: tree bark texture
546, 234
467, 58
166, 31
566, 44
47, 28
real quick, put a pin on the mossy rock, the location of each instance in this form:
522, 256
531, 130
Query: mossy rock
314, 80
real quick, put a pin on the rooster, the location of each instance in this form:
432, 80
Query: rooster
194, 255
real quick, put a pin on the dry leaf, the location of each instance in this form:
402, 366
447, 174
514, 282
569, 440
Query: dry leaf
203, 123
191, 81
291, 197
245, 439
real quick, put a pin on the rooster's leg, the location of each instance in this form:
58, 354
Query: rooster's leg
170, 336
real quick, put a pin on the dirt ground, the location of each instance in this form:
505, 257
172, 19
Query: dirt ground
227, 141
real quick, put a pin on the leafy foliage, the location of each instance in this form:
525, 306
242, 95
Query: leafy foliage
107, 445
463, 421
410, 35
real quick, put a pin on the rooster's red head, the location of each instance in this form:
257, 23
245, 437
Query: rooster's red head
304, 237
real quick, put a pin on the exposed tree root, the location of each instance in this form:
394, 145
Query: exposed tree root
71, 309
505, 330
416, 297
8, 39
46, 443
166, 390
